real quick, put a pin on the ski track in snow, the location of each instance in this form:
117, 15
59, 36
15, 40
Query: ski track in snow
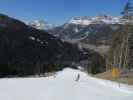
63, 87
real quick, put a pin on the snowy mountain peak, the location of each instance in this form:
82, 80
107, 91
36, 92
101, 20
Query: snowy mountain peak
81, 20
40, 24
103, 19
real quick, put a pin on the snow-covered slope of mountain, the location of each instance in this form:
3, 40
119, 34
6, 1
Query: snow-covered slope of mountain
93, 33
63, 86
87, 20
40, 24
91, 30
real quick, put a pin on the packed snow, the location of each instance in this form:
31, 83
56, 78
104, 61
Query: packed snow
63, 86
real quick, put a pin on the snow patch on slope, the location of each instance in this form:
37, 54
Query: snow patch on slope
40, 24
104, 19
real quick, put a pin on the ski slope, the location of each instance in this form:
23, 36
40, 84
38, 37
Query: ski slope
63, 87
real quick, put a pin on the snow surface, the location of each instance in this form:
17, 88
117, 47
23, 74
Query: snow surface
87, 20
40, 24
63, 87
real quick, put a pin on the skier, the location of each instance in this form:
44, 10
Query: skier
78, 77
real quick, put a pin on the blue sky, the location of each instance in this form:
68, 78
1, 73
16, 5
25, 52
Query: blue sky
59, 11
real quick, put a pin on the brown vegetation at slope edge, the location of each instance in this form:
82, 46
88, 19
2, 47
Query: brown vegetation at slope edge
127, 79
121, 40
120, 55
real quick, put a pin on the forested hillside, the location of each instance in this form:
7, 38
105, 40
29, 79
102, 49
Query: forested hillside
27, 51
120, 53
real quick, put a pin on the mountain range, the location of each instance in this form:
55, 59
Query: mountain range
83, 28
86, 31
82, 20
31, 50
89, 31
25, 50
